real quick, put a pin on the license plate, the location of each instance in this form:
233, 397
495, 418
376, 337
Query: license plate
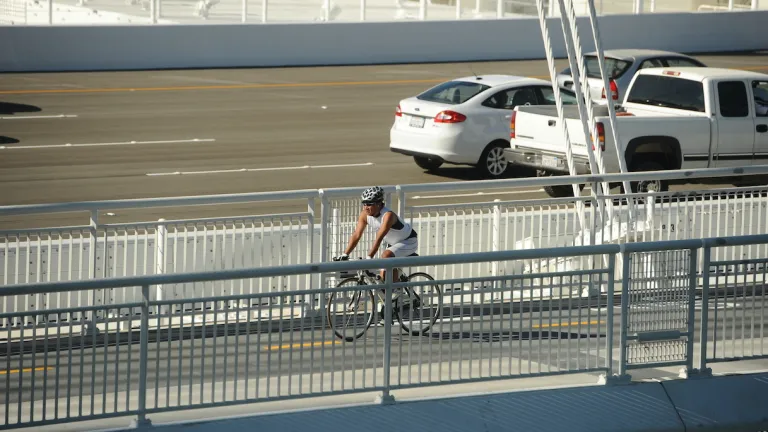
550, 161
417, 122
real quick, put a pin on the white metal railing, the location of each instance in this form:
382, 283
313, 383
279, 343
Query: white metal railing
50, 12
153, 355
132, 249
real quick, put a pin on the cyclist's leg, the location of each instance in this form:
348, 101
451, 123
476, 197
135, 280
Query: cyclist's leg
405, 248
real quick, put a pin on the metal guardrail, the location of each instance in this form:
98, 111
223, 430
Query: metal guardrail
264, 11
171, 354
323, 220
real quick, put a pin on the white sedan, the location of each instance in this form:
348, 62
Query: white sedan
466, 121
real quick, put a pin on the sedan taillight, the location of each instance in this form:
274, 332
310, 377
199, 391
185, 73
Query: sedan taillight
449, 117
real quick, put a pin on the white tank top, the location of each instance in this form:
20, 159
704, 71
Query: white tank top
400, 230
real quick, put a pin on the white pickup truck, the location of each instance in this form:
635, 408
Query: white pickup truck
671, 118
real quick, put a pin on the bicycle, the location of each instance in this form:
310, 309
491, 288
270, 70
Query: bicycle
405, 301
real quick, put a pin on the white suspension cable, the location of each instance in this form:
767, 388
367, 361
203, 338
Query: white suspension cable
559, 105
589, 122
611, 107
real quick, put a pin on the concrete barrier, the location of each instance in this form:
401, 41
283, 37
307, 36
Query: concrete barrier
73, 48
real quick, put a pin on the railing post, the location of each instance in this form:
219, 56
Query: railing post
362, 10
693, 278
704, 332
609, 318
496, 236
264, 10
142, 420
622, 377
386, 398
89, 327
625, 286
324, 242
309, 301
160, 243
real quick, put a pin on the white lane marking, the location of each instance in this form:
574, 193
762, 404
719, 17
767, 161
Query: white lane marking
478, 194
38, 117
109, 144
240, 170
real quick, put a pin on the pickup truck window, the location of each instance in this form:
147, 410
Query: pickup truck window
667, 91
453, 92
760, 91
733, 99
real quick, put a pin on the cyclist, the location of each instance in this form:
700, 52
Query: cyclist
400, 237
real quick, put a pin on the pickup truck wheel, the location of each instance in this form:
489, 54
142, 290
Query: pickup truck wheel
493, 163
644, 186
427, 163
560, 191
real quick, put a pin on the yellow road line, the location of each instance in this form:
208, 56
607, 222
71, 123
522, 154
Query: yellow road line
260, 86
568, 324
335, 342
15, 371
224, 87
300, 345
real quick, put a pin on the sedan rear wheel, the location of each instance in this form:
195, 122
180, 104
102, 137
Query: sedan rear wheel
427, 163
493, 163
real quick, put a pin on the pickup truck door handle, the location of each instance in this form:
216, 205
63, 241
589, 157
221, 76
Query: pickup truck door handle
551, 122
762, 128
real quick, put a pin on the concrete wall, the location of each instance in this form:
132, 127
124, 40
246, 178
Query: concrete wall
72, 48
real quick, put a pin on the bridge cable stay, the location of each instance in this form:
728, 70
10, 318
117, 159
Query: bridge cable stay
559, 105
611, 106
585, 104
577, 63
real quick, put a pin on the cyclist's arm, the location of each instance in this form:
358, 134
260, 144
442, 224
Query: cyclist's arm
387, 221
362, 222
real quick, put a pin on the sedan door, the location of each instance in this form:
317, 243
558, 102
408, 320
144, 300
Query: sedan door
495, 112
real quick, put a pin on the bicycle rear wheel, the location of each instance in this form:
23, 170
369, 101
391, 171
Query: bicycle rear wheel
351, 312
419, 306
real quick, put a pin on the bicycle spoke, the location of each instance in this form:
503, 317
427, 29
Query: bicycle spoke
419, 306
350, 313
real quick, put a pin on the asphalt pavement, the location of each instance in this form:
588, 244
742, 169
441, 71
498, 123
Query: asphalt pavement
116, 135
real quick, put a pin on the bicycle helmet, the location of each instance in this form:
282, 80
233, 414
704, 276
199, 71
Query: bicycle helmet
374, 194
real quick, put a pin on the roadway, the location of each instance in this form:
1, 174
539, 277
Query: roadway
279, 362
127, 131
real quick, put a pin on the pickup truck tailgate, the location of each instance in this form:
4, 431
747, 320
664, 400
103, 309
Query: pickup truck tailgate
539, 127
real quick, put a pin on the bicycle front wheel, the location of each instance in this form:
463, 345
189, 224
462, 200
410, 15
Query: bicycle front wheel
419, 306
351, 312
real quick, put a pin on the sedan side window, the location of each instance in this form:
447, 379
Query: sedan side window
509, 99
547, 96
